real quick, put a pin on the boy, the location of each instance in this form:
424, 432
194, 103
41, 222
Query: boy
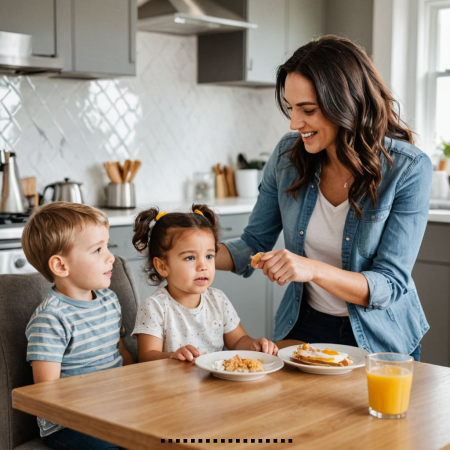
76, 329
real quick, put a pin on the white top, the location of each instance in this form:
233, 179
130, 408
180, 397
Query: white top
324, 243
203, 327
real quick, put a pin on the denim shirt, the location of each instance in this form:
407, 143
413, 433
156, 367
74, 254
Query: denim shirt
382, 245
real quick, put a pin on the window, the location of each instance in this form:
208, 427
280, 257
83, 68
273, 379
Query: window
436, 113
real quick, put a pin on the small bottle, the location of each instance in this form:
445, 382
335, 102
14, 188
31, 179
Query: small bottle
204, 186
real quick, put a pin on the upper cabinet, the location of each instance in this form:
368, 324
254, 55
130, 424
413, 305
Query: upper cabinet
245, 57
352, 19
96, 38
251, 58
36, 17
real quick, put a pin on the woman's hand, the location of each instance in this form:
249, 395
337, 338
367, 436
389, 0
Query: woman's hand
265, 346
284, 266
186, 353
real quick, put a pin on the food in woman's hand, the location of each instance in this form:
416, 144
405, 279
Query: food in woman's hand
255, 259
305, 354
238, 364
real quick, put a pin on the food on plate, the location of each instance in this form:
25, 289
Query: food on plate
238, 364
305, 354
255, 259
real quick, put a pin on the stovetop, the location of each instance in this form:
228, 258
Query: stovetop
13, 218
11, 225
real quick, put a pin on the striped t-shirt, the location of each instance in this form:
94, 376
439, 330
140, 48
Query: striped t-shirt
81, 335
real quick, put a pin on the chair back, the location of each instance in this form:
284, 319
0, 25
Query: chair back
20, 295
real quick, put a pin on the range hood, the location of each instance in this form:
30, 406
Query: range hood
188, 17
16, 57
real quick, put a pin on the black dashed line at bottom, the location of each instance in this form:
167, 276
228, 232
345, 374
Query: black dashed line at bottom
223, 441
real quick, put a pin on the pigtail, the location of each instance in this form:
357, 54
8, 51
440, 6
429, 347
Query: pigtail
142, 229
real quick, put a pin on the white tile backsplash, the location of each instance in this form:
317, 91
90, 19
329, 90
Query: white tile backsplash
68, 128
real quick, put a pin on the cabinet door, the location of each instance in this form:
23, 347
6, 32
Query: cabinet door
36, 17
104, 36
305, 22
249, 297
433, 286
265, 44
145, 290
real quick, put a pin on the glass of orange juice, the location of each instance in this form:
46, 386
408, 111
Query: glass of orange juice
389, 380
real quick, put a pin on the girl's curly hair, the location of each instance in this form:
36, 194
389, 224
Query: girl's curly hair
155, 238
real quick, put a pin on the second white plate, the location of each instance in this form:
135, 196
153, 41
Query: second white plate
357, 355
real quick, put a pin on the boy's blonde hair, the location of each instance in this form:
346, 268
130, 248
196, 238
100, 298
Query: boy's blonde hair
51, 230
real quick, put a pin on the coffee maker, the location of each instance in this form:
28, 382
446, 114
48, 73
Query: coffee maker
12, 199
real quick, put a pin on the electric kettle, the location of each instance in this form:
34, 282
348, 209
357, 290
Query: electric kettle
64, 191
12, 199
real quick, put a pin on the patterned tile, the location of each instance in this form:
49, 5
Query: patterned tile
68, 128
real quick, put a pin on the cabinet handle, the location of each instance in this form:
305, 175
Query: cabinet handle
227, 229
113, 246
250, 64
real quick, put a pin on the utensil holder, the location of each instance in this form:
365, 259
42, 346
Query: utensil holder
120, 196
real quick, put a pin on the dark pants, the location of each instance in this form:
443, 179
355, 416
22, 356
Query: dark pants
67, 439
314, 326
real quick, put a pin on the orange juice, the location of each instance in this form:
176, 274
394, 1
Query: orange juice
389, 389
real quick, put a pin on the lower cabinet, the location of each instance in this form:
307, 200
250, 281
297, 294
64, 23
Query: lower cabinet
431, 275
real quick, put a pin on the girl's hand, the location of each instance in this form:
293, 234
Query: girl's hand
186, 353
265, 346
284, 266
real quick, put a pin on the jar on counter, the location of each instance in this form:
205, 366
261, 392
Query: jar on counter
204, 186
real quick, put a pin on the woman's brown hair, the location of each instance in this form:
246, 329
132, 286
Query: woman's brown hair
351, 94
155, 238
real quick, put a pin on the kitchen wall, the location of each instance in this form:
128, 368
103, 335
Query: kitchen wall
68, 128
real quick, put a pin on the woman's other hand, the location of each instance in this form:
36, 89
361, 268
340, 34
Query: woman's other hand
265, 346
284, 266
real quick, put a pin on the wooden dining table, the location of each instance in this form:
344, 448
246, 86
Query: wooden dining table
172, 404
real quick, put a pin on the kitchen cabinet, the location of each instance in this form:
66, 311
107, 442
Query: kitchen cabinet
431, 275
35, 17
352, 19
251, 57
247, 57
96, 38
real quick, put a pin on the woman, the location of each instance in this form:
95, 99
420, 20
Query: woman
351, 193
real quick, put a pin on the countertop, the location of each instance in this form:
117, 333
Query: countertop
439, 209
221, 206
439, 212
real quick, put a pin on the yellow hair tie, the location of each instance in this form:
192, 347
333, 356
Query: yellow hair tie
197, 211
161, 214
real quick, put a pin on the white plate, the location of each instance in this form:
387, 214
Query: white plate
205, 362
357, 355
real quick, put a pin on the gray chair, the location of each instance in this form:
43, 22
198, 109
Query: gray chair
19, 297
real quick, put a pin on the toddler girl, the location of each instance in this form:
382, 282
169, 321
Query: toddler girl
187, 317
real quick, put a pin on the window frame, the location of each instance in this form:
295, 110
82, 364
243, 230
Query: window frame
430, 74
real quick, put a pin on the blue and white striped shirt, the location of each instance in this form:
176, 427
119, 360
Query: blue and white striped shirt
81, 335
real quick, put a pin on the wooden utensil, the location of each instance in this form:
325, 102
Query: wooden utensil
229, 178
134, 170
113, 171
126, 170
105, 165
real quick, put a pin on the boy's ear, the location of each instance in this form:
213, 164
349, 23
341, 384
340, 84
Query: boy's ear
59, 266
160, 267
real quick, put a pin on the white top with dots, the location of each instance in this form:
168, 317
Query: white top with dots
203, 327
